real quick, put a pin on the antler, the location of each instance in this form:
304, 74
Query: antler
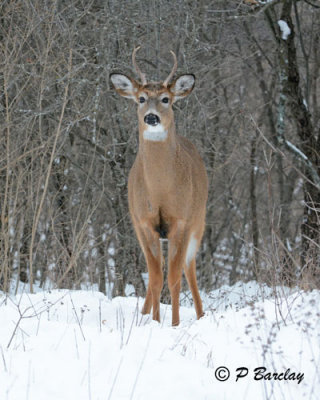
174, 68
142, 76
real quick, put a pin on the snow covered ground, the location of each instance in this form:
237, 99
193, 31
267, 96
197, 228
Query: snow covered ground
79, 345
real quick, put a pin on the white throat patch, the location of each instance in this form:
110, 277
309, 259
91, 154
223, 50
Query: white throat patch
155, 133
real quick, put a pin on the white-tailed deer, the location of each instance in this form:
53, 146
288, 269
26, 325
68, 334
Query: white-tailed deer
167, 187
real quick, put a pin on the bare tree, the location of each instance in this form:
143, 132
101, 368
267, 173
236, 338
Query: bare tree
67, 144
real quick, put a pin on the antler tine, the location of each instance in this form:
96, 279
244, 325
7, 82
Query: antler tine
142, 76
174, 68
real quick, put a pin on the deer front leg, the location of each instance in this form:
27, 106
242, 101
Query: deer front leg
150, 245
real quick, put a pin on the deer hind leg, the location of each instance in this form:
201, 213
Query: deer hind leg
146, 309
150, 245
182, 253
177, 253
191, 274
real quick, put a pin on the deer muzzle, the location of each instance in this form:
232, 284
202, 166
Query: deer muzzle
152, 119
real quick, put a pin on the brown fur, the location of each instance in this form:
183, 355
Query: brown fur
167, 197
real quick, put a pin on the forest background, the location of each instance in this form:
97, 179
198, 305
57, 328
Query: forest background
67, 141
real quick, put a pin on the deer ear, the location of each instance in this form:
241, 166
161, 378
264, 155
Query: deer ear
182, 86
125, 86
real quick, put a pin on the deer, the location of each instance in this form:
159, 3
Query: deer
167, 187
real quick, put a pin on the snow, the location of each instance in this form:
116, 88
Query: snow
285, 30
79, 345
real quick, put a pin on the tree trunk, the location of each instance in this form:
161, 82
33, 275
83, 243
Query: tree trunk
310, 146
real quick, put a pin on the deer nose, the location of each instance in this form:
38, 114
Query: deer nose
151, 119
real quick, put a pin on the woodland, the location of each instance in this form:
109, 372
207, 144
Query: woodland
68, 141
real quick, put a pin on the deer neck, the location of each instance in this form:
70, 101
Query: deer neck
157, 152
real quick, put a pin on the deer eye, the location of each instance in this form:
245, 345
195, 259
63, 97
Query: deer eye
142, 99
165, 100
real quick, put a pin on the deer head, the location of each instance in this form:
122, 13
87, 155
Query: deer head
154, 99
